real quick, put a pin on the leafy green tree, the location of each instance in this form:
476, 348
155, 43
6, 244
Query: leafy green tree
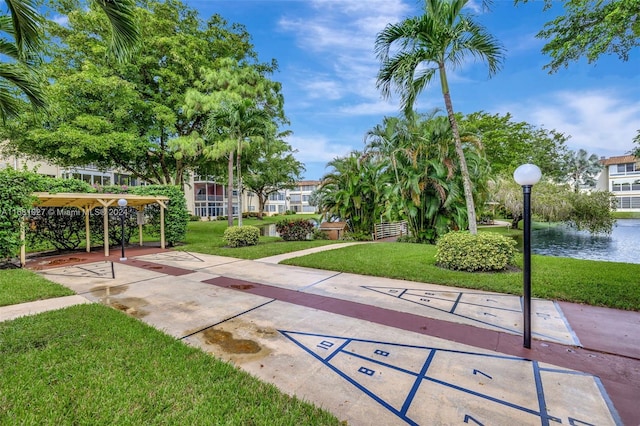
136, 110
557, 203
582, 169
272, 168
508, 144
426, 46
590, 29
22, 44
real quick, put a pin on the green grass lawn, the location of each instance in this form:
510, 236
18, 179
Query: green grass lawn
19, 285
91, 364
616, 285
206, 237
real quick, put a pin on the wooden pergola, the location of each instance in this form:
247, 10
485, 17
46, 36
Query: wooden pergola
88, 202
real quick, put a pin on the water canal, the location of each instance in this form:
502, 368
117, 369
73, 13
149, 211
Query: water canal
620, 246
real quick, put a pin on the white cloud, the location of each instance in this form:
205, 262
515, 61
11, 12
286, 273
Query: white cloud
379, 108
61, 20
603, 122
341, 34
317, 148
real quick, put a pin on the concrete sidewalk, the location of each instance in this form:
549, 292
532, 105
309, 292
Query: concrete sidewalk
372, 348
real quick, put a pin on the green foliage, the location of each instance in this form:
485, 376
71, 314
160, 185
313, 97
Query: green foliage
241, 236
271, 168
593, 212
557, 203
61, 227
354, 191
508, 144
356, 236
15, 201
612, 29
416, 50
462, 251
130, 115
294, 229
176, 215
320, 235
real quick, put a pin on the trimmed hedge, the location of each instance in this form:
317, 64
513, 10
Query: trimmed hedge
294, 230
484, 252
241, 236
52, 224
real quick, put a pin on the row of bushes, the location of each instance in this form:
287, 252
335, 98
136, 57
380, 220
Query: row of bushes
64, 228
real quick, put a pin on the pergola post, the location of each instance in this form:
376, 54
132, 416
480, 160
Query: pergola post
87, 228
105, 220
162, 207
140, 223
23, 247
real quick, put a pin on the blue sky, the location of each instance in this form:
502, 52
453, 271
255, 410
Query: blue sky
325, 51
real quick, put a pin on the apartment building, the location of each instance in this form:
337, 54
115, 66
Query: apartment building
621, 176
205, 195
208, 199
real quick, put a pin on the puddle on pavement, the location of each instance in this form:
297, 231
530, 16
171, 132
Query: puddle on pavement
104, 291
56, 262
129, 305
229, 344
242, 286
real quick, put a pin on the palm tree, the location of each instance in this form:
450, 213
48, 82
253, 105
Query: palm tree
582, 169
420, 157
354, 191
425, 46
230, 128
22, 38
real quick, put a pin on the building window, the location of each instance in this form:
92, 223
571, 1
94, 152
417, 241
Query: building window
628, 202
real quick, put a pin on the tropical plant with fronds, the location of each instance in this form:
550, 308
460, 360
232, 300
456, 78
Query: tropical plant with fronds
355, 191
422, 163
416, 50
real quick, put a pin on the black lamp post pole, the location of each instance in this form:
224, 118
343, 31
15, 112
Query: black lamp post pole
526, 250
122, 229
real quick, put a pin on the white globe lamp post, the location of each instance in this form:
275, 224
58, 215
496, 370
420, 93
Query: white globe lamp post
526, 176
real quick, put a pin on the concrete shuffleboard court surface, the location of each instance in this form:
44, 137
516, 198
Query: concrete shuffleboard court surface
360, 370
493, 311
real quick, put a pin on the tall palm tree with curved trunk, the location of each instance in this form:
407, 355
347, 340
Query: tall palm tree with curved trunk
426, 46
21, 39
229, 129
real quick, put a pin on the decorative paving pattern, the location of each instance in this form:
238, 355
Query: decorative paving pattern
503, 312
444, 384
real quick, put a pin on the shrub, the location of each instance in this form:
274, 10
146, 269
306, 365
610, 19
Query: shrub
294, 229
356, 236
483, 252
320, 235
241, 236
